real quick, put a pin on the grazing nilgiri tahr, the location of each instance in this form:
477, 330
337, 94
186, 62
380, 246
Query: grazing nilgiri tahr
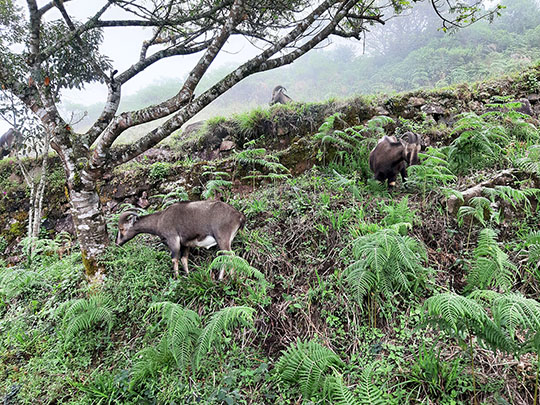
279, 96
184, 225
392, 156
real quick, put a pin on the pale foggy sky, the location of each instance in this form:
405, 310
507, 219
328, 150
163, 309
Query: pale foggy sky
122, 45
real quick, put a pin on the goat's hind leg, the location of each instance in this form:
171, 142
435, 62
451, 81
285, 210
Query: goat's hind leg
174, 247
184, 253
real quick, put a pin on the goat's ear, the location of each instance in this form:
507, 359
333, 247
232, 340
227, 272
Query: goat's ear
133, 219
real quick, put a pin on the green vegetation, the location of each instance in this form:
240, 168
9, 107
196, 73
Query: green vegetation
335, 293
339, 291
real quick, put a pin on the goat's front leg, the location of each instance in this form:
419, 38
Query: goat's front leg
184, 253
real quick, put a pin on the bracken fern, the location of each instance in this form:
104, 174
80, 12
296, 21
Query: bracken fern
491, 266
85, 313
182, 330
220, 322
387, 262
308, 364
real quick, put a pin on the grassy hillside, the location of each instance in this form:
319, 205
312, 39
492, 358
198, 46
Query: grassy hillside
340, 291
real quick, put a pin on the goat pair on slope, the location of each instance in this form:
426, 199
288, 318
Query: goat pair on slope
184, 225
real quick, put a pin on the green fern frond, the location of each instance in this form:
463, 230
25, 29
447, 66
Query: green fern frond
450, 192
480, 143
513, 196
460, 316
491, 266
479, 208
533, 250
338, 393
236, 264
213, 186
513, 311
260, 157
220, 322
454, 311
432, 171
182, 330
219, 175
369, 392
172, 197
150, 361
531, 162
15, 280
385, 261
85, 313
307, 364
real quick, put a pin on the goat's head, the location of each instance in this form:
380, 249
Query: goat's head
278, 95
125, 227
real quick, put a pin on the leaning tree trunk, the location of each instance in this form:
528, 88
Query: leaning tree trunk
90, 227
87, 213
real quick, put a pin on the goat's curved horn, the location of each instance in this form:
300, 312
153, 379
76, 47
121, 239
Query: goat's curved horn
125, 215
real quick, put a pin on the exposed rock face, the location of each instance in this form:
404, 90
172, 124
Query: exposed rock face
226, 146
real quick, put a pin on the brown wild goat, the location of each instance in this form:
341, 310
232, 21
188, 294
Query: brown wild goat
392, 156
184, 225
279, 96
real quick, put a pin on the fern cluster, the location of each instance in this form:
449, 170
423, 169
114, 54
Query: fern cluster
479, 144
259, 159
399, 215
532, 248
462, 316
173, 197
386, 262
491, 266
185, 342
514, 325
317, 371
531, 162
85, 313
352, 145
479, 209
513, 196
16, 280
432, 171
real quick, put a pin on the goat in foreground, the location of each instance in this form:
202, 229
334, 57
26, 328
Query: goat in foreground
184, 225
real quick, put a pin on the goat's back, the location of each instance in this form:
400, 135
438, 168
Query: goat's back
192, 218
